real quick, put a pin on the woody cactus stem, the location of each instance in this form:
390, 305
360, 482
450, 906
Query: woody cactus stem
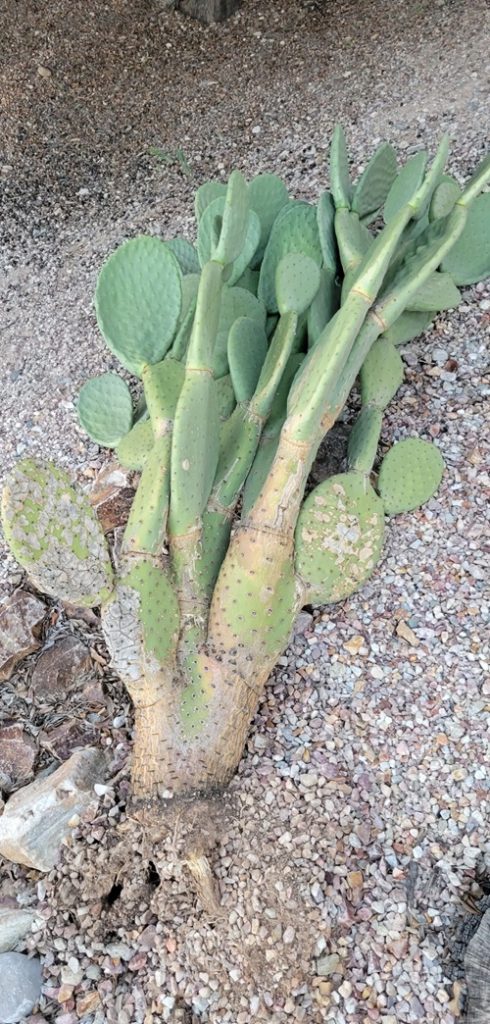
247, 348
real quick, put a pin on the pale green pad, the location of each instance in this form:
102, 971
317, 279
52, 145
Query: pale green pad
408, 326
297, 282
105, 409
249, 280
405, 185
339, 537
410, 474
159, 612
133, 450
295, 230
185, 254
444, 198
375, 182
141, 623
205, 195
235, 302
55, 534
438, 292
163, 384
324, 305
235, 218
469, 259
138, 301
225, 396
381, 374
267, 195
325, 216
238, 445
195, 442
247, 349
354, 239
147, 523
206, 242
364, 439
340, 183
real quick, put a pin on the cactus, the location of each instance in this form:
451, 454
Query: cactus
247, 348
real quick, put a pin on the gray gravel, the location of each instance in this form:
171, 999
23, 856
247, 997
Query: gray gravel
356, 840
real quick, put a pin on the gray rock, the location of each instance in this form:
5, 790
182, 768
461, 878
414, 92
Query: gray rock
21, 615
18, 753
37, 818
327, 965
20, 986
15, 923
209, 11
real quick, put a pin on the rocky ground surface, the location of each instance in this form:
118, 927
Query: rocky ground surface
354, 861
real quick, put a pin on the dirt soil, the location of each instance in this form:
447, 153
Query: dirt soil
356, 830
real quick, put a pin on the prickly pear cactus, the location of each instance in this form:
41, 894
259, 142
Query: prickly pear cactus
410, 474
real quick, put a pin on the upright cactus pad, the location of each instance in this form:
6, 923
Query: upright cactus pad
375, 182
247, 348
381, 374
297, 282
105, 409
408, 326
339, 536
205, 194
469, 259
267, 196
133, 449
138, 301
295, 230
405, 185
55, 534
185, 254
410, 474
364, 439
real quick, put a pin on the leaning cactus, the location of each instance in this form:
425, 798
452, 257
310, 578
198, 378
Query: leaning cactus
246, 347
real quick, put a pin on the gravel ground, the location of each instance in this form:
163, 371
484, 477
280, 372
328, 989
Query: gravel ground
355, 835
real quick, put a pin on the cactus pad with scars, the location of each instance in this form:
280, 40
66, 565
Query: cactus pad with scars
339, 536
372, 189
133, 450
186, 255
55, 534
295, 230
138, 301
105, 409
469, 259
297, 283
381, 374
247, 348
410, 474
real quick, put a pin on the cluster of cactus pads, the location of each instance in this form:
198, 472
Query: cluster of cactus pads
243, 349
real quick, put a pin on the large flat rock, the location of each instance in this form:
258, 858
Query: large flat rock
37, 818
209, 11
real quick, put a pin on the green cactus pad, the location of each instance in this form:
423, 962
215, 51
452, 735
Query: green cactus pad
185, 254
238, 445
163, 384
195, 448
295, 230
444, 197
225, 396
249, 280
340, 183
133, 450
405, 185
324, 305
105, 409
354, 239
234, 221
375, 182
247, 349
469, 259
267, 196
410, 474
206, 241
381, 374
364, 439
438, 292
339, 537
235, 302
325, 216
55, 534
138, 301
205, 195
297, 282
141, 623
147, 523
259, 472
408, 326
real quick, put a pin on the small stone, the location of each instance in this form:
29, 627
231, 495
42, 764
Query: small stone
354, 645
59, 667
43, 72
87, 1003
15, 923
35, 820
327, 965
407, 634
20, 986
288, 936
21, 616
355, 879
